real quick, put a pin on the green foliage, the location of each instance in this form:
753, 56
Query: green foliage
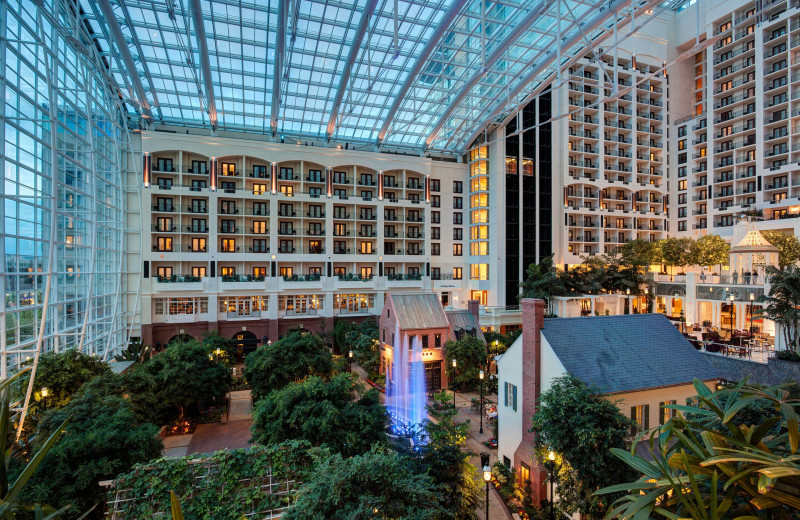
12, 504
783, 303
223, 486
135, 351
707, 463
581, 426
709, 250
363, 340
221, 349
185, 380
676, 251
379, 484
788, 245
104, 438
63, 374
470, 355
542, 281
638, 253
294, 357
445, 459
324, 413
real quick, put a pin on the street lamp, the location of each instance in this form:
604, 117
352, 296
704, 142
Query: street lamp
44, 392
733, 299
350, 361
752, 299
646, 299
627, 301
487, 477
551, 469
480, 376
453, 383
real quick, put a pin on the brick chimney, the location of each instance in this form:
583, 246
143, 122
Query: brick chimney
474, 308
532, 324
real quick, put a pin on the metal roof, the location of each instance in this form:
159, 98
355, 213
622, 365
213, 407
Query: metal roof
417, 74
419, 311
464, 320
626, 353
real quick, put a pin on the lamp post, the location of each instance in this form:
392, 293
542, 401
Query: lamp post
350, 361
452, 383
487, 477
45, 392
551, 469
627, 301
480, 376
733, 299
646, 299
752, 299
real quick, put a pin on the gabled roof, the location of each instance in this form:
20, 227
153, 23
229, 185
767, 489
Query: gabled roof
754, 242
465, 320
419, 311
626, 353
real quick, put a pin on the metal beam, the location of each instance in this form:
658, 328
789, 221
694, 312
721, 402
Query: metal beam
550, 58
125, 54
447, 19
277, 71
205, 63
355, 47
464, 90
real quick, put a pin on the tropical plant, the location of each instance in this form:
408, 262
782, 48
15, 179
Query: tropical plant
186, 379
783, 303
542, 282
470, 355
707, 464
338, 414
11, 505
63, 374
445, 458
580, 425
380, 484
135, 351
105, 437
292, 358
788, 246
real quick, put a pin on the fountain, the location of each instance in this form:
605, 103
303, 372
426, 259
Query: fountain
405, 389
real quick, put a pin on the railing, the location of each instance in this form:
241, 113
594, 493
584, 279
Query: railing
177, 278
242, 278
757, 354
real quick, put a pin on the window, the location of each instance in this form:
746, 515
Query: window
640, 415
510, 396
228, 169
479, 184
479, 248
436, 185
365, 248
457, 273
286, 271
199, 245
435, 248
435, 231
436, 201
228, 245
287, 190
457, 250
259, 272
458, 202
682, 184
424, 341
227, 271
478, 200
435, 217
458, 233
199, 272
259, 189
164, 272
458, 217
437, 341
479, 232
164, 244
682, 224
259, 227
479, 272
524, 472
665, 414
458, 187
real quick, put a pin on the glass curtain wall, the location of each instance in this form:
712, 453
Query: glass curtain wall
62, 195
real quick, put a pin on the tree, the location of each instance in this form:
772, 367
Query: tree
324, 413
64, 373
542, 282
709, 250
186, 379
707, 463
470, 355
783, 303
676, 251
379, 484
12, 507
445, 459
294, 357
222, 349
135, 352
788, 245
104, 438
638, 252
362, 338
581, 426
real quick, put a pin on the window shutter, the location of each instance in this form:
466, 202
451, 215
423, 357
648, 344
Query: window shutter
505, 394
515, 398
662, 412
633, 419
673, 412
647, 417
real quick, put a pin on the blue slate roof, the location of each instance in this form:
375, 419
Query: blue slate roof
626, 353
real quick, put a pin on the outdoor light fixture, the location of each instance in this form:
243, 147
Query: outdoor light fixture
350, 361
752, 299
480, 376
551, 456
147, 162
487, 477
732, 298
45, 392
551, 470
454, 388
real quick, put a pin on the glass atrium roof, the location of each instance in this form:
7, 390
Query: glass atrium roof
420, 74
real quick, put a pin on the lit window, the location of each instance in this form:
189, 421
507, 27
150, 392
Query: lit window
479, 200
479, 271
479, 248
479, 232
